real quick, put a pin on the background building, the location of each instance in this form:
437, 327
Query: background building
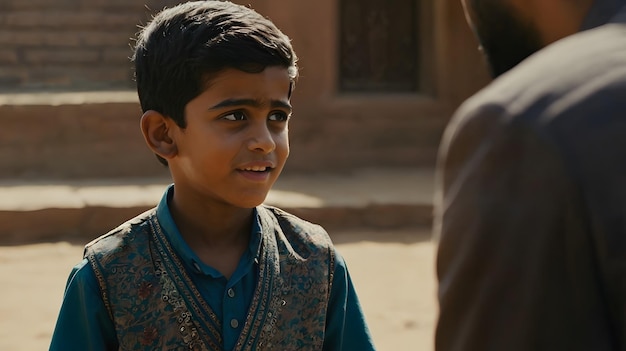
378, 83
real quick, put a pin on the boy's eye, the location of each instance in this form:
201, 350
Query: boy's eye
278, 116
235, 116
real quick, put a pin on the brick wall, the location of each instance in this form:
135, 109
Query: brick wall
69, 44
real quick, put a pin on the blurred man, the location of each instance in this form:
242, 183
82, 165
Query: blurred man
531, 197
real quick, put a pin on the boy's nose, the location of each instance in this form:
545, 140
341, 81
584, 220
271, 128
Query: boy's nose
261, 139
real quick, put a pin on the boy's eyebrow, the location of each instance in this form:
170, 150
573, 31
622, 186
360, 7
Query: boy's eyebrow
250, 102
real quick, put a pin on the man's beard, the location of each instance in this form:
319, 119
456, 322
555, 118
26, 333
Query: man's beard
505, 39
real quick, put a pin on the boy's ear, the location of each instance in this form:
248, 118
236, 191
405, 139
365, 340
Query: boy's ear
157, 130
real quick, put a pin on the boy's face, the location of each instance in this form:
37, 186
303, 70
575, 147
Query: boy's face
236, 140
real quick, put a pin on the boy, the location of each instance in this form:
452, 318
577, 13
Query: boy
210, 268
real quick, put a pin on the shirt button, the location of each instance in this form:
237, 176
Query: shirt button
231, 293
234, 323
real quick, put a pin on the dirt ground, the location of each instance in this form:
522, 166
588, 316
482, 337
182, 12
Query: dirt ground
393, 273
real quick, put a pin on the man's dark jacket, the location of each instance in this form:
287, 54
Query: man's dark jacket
531, 201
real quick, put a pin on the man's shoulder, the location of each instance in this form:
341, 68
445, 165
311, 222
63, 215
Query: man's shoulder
586, 71
568, 97
573, 68
120, 238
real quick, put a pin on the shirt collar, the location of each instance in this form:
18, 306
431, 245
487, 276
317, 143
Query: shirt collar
184, 252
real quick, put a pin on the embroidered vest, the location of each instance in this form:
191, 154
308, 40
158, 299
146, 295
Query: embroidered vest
155, 306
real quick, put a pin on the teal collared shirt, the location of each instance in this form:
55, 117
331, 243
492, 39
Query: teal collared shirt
84, 323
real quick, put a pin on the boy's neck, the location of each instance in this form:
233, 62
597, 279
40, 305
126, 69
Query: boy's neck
218, 235
205, 226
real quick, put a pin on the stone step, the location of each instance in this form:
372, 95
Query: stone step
73, 135
81, 210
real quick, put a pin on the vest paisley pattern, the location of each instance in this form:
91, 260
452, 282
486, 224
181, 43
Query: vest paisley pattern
155, 306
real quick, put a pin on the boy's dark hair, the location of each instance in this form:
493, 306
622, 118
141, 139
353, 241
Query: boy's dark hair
184, 47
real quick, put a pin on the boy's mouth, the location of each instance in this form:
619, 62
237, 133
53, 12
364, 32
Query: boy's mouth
256, 169
256, 173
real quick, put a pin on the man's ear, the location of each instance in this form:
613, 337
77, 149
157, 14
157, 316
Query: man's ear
157, 131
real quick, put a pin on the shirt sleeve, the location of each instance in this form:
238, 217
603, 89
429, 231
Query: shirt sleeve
346, 328
515, 261
83, 322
